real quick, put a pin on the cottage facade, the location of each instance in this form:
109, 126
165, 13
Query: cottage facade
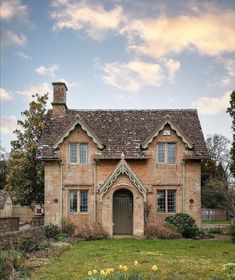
120, 168
5, 204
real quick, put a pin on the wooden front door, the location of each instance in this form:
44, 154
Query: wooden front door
123, 212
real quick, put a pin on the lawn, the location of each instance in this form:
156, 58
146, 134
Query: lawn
176, 259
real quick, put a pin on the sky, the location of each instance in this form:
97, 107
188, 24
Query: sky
126, 54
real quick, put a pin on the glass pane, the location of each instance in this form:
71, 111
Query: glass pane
171, 201
171, 153
161, 153
73, 201
73, 153
83, 201
161, 205
83, 153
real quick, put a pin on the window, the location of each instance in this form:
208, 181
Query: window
73, 201
166, 153
73, 158
166, 201
83, 201
83, 153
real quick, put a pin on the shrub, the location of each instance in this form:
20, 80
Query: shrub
27, 245
185, 224
11, 262
232, 232
215, 230
62, 236
69, 228
52, 231
162, 231
90, 232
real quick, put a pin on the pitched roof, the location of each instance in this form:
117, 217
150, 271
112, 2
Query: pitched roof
3, 198
124, 130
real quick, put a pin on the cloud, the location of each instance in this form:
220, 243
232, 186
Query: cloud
213, 105
11, 38
173, 67
51, 70
41, 89
8, 124
134, 75
24, 56
4, 94
93, 19
210, 32
13, 8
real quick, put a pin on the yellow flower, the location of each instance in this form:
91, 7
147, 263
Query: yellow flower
94, 271
136, 263
90, 273
154, 268
125, 268
120, 266
102, 272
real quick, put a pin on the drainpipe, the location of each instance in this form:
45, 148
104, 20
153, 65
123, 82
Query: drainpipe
183, 185
62, 188
94, 189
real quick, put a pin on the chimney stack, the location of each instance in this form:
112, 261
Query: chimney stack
59, 106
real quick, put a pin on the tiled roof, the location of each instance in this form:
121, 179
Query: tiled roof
3, 198
124, 130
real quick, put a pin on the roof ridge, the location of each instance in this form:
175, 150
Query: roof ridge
118, 110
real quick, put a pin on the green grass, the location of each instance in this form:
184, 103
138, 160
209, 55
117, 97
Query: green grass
217, 222
176, 259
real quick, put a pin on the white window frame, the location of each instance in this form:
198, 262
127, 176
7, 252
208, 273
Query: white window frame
166, 153
166, 201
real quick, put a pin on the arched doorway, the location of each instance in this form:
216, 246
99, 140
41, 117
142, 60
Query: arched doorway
123, 212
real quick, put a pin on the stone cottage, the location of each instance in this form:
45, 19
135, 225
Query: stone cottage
120, 168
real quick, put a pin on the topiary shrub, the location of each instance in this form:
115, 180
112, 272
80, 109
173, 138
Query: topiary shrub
185, 224
232, 232
52, 231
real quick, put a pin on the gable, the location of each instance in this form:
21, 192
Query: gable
72, 126
121, 169
167, 121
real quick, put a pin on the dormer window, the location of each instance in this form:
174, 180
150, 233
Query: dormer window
78, 157
73, 153
83, 153
166, 153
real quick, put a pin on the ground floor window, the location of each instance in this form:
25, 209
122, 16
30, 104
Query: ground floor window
166, 201
82, 197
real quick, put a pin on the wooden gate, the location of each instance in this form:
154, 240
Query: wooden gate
123, 212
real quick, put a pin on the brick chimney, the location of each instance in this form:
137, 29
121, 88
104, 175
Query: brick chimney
59, 106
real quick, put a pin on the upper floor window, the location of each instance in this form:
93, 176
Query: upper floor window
83, 153
166, 201
166, 153
73, 153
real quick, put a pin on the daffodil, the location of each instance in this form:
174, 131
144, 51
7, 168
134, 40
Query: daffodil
154, 268
136, 263
90, 273
94, 271
102, 272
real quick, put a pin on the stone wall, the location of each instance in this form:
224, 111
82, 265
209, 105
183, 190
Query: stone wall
8, 240
9, 224
37, 221
25, 213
